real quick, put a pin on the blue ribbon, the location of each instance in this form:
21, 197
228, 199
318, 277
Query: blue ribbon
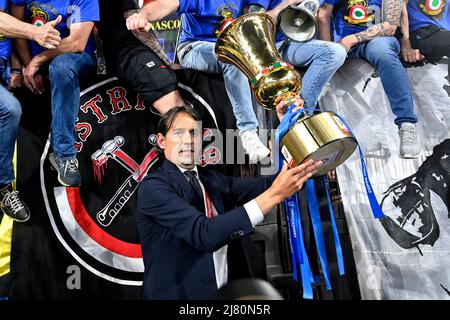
374, 205
293, 242
313, 205
296, 239
286, 123
298, 248
337, 242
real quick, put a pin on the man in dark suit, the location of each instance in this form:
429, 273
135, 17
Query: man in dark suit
191, 219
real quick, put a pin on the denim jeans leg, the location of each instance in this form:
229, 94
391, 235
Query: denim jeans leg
202, 57
65, 72
323, 59
10, 111
382, 53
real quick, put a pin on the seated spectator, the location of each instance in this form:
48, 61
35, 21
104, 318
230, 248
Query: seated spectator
357, 30
201, 22
426, 31
73, 60
10, 108
137, 57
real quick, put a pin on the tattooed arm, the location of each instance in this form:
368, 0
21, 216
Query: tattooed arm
391, 11
407, 52
149, 39
152, 11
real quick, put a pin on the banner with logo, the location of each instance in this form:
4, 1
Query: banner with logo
406, 254
167, 32
83, 242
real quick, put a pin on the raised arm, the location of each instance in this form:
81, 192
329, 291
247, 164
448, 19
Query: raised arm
47, 36
74, 43
391, 11
149, 39
159, 200
183, 220
151, 11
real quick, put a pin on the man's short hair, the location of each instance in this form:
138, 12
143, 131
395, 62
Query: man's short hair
167, 120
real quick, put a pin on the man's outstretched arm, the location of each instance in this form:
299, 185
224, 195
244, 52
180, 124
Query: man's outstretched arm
149, 39
47, 36
151, 11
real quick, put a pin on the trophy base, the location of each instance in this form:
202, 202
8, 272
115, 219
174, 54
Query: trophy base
333, 154
320, 137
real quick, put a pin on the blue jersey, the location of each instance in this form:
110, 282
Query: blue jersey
5, 43
353, 16
202, 19
39, 12
422, 13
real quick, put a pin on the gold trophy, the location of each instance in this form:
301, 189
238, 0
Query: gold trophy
248, 43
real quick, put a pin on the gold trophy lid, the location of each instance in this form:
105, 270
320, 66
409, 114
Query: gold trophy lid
248, 43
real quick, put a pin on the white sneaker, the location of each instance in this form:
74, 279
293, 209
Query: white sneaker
253, 146
410, 146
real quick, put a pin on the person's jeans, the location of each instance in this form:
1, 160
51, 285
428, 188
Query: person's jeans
323, 59
202, 57
65, 72
10, 111
382, 53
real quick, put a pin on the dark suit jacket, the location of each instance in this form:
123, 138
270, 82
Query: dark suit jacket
178, 241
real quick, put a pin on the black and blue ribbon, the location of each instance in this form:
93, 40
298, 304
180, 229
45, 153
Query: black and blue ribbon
300, 261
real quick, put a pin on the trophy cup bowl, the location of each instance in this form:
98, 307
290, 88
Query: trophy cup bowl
248, 43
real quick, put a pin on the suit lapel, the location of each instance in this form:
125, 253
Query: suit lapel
188, 191
213, 191
179, 178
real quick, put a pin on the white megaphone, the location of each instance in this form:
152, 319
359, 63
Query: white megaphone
298, 22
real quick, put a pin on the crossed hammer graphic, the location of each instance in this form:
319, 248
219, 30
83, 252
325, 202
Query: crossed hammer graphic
111, 150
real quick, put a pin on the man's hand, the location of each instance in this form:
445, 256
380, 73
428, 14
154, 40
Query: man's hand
138, 22
281, 110
175, 66
348, 42
16, 81
288, 182
412, 55
35, 84
33, 80
47, 36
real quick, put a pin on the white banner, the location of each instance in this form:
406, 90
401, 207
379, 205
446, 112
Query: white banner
407, 254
